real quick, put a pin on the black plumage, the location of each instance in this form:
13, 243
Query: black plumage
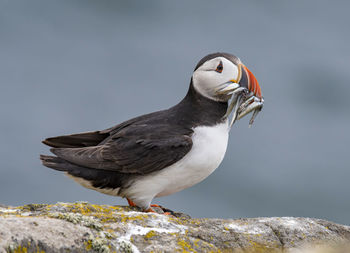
208, 57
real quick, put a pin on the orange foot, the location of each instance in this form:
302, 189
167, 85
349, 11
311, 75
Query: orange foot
131, 203
149, 210
165, 213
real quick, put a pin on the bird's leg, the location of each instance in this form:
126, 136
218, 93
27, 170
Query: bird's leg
148, 210
130, 202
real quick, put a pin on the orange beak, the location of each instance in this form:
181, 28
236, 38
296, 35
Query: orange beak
249, 81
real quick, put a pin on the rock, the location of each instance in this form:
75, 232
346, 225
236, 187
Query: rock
84, 227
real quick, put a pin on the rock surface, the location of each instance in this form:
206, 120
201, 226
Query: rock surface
84, 227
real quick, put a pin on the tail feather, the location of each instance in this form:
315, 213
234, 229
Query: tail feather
97, 177
76, 140
57, 163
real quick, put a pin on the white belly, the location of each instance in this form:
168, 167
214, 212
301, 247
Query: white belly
207, 152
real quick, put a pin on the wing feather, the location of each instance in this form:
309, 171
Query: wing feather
139, 149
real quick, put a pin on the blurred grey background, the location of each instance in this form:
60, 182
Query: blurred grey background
70, 66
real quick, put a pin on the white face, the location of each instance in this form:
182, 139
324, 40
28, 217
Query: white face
212, 75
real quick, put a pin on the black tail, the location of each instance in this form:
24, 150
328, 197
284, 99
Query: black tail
57, 163
76, 140
98, 178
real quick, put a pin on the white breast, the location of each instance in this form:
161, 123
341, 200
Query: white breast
208, 150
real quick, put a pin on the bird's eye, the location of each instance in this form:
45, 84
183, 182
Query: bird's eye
219, 68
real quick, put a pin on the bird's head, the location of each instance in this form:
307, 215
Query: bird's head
221, 77
217, 75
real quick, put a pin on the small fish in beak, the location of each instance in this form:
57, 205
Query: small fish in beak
251, 104
245, 96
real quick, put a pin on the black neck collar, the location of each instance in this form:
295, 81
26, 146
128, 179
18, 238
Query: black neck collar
198, 110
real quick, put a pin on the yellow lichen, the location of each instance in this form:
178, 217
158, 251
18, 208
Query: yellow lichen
150, 234
88, 245
33, 207
262, 248
196, 242
185, 246
20, 249
128, 218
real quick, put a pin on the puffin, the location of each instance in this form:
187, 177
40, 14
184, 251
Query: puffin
163, 152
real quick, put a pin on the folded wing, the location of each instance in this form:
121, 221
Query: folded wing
136, 148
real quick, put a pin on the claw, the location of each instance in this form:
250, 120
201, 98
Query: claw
165, 211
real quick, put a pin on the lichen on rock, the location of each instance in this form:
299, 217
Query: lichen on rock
85, 227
